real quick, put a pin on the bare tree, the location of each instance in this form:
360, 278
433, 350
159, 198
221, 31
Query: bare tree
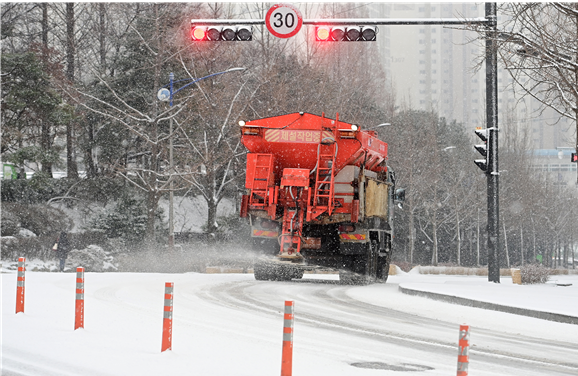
537, 45
146, 163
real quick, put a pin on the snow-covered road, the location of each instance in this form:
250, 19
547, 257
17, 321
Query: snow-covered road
230, 324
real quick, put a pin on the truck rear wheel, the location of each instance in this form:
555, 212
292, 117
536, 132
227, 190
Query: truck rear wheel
371, 267
383, 267
262, 271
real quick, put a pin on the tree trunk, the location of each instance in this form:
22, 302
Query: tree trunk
533, 238
478, 240
557, 251
411, 220
411, 233
212, 216
434, 255
91, 167
72, 168
576, 98
91, 171
102, 37
44, 26
565, 254
506, 246
572, 249
522, 244
459, 250
45, 143
153, 193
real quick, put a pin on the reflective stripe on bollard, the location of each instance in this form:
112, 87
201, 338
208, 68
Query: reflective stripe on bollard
20, 285
168, 318
79, 310
463, 349
287, 356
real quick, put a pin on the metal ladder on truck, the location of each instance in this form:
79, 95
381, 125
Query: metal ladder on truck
260, 181
323, 191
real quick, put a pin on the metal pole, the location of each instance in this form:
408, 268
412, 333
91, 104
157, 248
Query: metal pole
171, 212
349, 21
478, 241
492, 172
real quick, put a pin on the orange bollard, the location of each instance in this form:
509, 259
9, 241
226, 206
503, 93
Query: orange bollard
463, 348
287, 356
168, 318
20, 285
79, 312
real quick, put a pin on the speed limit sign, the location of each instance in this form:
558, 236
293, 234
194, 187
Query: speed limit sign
283, 20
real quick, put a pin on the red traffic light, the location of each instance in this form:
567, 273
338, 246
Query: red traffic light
198, 33
574, 157
217, 33
334, 33
322, 33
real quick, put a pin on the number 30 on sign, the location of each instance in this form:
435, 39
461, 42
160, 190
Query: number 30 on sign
283, 20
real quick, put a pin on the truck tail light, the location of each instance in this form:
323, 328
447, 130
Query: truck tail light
250, 130
347, 134
346, 228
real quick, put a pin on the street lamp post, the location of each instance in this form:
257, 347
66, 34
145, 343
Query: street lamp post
167, 94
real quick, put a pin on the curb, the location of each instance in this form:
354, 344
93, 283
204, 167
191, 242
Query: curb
492, 306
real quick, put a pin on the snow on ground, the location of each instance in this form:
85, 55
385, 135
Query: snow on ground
552, 296
123, 323
544, 298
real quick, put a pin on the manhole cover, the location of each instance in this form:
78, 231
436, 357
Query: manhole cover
403, 367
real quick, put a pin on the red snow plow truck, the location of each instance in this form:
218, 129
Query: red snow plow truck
319, 195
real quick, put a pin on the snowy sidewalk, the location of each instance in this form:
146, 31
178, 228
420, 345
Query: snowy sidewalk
550, 301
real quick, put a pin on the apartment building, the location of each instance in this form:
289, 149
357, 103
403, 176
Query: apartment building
442, 68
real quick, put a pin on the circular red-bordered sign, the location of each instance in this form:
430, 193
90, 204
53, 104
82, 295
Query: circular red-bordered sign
283, 20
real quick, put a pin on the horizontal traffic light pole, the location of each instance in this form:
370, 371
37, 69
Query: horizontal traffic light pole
327, 29
350, 21
395, 21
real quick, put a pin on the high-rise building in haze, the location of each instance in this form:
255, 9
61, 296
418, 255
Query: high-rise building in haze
441, 68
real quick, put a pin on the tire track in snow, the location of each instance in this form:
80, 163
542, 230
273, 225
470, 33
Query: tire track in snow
327, 306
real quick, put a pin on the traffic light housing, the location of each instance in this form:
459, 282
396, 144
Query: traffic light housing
217, 33
574, 158
484, 135
337, 33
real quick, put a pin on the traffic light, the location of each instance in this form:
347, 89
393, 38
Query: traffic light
221, 33
574, 157
484, 134
329, 33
